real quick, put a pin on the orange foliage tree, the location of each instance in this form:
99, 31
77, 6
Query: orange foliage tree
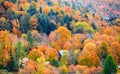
7, 4
4, 57
51, 53
90, 17
90, 47
90, 59
115, 49
4, 40
105, 37
76, 41
96, 16
67, 45
5, 48
56, 8
68, 9
43, 47
16, 31
63, 35
30, 67
46, 9
108, 31
34, 54
59, 37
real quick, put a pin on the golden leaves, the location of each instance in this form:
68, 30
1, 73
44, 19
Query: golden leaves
90, 46
4, 57
4, 39
46, 9
76, 41
56, 8
34, 54
90, 59
63, 34
51, 53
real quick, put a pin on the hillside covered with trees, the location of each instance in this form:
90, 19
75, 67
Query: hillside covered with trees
59, 37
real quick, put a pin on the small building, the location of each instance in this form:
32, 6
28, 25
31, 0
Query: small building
119, 67
63, 53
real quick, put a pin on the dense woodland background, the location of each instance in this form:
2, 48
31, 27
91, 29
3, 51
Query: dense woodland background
59, 36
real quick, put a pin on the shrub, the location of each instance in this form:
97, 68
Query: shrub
54, 63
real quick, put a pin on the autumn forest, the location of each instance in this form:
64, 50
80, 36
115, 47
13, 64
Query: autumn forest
59, 37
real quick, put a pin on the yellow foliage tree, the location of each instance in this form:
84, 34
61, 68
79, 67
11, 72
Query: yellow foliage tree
63, 35
64, 70
90, 59
41, 65
24, 5
90, 47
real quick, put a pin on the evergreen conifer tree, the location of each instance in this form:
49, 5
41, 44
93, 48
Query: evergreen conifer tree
109, 67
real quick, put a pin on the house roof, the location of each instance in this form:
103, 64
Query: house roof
64, 52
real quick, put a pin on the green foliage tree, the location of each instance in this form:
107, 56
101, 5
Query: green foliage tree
1, 13
94, 26
5, 25
10, 14
1, 2
20, 53
83, 27
54, 63
25, 24
13, 1
45, 24
40, 10
104, 50
118, 38
49, 2
30, 39
51, 13
109, 66
32, 10
74, 6
67, 20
